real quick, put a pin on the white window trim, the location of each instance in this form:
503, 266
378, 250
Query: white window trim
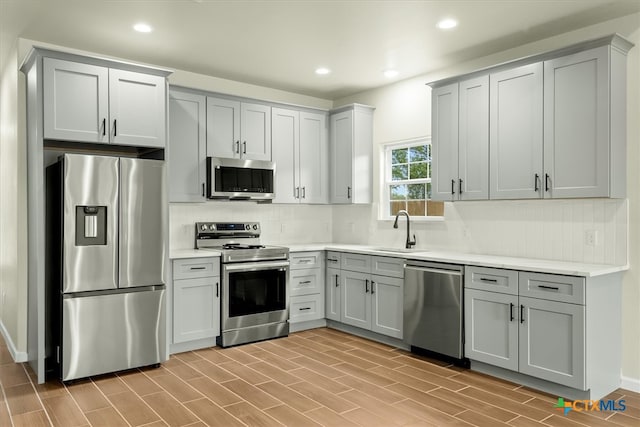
385, 179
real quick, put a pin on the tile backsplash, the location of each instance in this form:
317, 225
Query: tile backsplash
584, 230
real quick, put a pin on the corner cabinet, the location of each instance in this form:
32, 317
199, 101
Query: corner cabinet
187, 149
238, 130
544, 327
84, 102
300, 151
351, 152
366, 292
460, 125
557, 126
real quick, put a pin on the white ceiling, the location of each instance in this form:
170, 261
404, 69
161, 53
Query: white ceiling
279, 43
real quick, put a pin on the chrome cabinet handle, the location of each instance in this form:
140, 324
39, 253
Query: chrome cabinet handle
453, 186
348, 192
373, 290
297, 193
460, 186
244, 147
237, 147
304, 192
536, 180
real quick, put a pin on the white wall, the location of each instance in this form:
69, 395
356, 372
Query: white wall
540, 228
13, 253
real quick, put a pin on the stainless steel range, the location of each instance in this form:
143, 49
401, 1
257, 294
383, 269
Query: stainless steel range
255, 282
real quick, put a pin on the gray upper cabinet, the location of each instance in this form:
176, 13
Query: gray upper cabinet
516, 132
300, 151
96, 104
187, 146
557, 127
584, 124
351, 151
460, 127
238, 130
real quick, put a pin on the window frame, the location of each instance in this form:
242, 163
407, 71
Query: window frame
386, 175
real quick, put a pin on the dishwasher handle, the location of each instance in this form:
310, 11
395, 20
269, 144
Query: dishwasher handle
454, 271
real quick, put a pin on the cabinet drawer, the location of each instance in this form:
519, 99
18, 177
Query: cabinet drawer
356, 262
387, 266
189, 268
334, 259
307, 307
305, 282
552, 287
298, 260
491, 279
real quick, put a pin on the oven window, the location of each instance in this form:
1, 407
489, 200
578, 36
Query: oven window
254, 292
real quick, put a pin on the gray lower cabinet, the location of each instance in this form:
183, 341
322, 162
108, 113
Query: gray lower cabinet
367, 292
537, 324
306, 279
333, 291
196, 299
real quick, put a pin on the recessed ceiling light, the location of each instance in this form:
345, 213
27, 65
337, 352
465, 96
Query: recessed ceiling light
322, 71
141, 27
447, 24
390, 73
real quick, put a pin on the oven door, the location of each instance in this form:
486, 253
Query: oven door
254, 293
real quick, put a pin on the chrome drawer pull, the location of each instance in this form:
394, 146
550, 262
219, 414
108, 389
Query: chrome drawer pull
551, 288
484, 279
197, 268
304, 308
306, 282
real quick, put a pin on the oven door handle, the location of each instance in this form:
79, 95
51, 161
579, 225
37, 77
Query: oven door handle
256, 266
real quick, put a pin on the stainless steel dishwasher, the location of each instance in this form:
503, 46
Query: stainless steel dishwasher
433, 310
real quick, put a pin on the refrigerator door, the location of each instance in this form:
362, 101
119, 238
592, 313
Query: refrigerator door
90, 223
143, 217
112, 332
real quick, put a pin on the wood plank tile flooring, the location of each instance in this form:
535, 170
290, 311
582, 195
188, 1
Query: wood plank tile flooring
311, 378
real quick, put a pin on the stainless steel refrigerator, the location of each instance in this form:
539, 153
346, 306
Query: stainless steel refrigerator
105, 266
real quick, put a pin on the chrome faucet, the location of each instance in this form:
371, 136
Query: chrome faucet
410, 243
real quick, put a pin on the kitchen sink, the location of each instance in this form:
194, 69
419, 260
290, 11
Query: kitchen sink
397, 250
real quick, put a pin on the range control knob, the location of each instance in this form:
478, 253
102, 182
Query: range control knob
247, 227
212, 227
255, 226
203, 227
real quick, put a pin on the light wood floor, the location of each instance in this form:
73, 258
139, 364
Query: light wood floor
316, 377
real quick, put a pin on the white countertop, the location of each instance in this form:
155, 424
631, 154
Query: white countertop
495, 261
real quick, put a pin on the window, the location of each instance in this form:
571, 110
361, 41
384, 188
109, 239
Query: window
407, 175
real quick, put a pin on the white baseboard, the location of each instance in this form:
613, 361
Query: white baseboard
18, 356
631, 384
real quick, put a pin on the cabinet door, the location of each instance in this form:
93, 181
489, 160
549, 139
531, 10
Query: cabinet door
515, 133
386, 305
187, 147
333, 293
552, 343
356, 299
444, 143
223, 128
314, 153
341, 154
75, 101
473, 139
491, 328
255, 131
576, 124
285, 135
137, 109
196, 309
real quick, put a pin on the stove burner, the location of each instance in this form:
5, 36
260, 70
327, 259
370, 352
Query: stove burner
241, 246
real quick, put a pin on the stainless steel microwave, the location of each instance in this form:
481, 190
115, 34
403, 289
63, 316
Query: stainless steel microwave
235, 179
